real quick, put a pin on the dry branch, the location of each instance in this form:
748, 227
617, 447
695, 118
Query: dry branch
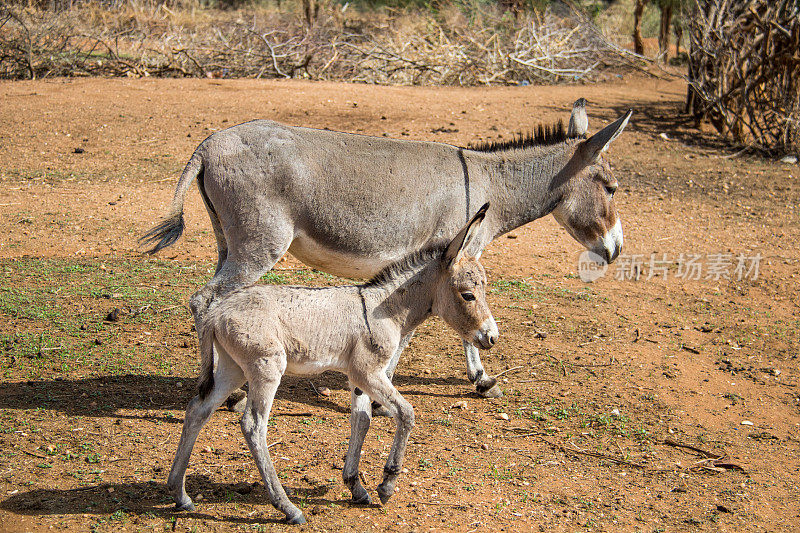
132, 39
744, 71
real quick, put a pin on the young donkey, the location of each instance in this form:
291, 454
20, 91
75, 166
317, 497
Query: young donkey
263, 331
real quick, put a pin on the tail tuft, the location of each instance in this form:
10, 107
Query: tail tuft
163, 235
205, 383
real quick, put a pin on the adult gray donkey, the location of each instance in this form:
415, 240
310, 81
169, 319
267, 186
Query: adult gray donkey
352, 204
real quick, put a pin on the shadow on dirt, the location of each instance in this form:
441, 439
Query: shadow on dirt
105, 396
153, 497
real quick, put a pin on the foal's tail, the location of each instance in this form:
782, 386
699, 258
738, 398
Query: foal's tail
170, 229
206, 380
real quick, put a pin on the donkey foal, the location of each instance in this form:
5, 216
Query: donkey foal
261, 332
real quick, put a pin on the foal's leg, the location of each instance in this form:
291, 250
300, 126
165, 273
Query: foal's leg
227, 378
485, 385
377, 408
264, 381
360, 418
379, 387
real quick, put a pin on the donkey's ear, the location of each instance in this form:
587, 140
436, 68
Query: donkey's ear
578, 121
598, 143
455, 250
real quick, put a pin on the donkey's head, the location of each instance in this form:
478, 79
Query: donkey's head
586, 187
460, 292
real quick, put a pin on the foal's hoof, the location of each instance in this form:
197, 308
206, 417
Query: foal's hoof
493, 392
384, 494
189, 506
236, 402
488, 388
296, 520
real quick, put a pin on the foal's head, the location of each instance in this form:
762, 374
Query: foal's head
460, 291
586, 188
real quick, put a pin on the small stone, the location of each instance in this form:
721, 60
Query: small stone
110, 490
615, 413
502, 416
484, 446
664, 136
179, 384
324, 391
208, 449
113, 315
789, 159
199, 496
405, 470
426, 371
459, 405
747, 423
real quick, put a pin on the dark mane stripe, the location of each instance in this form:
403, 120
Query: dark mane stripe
409, 262
543, 135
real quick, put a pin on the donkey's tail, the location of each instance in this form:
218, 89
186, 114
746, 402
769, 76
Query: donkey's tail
206, 380
171, 227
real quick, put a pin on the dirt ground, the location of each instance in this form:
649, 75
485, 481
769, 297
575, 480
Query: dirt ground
603, 382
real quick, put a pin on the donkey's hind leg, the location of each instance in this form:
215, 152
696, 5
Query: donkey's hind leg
380, 388
264, 379
360, 418
227, 378
242, 259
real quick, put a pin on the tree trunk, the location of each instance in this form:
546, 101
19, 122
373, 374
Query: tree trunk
638, 10
664, 32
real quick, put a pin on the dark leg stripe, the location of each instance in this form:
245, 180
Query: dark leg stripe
391, 470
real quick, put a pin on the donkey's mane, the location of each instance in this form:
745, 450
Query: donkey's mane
542, 135
410, 262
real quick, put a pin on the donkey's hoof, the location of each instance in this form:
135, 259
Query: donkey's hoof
188, 506
384, 494
296, 520
236, 402
362, 499
493, 392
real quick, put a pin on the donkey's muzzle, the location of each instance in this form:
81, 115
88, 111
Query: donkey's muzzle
487, 335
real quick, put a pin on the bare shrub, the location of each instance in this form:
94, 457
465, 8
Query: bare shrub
396, 47
744, 70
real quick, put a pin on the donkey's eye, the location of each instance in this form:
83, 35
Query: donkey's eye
611, 189
468, 296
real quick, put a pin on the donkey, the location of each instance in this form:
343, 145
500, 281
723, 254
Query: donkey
263, 331
351, 204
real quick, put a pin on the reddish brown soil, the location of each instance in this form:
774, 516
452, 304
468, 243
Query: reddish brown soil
683, 360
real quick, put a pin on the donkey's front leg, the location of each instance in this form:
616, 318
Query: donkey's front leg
485, 385
379, 387
360, 418
377, 408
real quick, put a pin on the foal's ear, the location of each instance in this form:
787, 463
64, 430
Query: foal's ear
578, 121
460, 243
598, 143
